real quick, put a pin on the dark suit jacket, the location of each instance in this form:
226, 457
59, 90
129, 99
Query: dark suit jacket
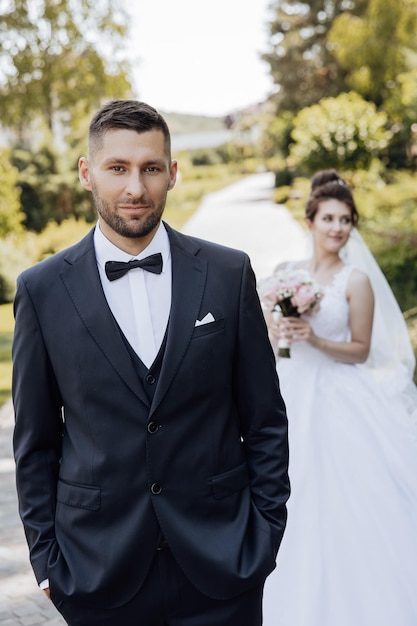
86, 460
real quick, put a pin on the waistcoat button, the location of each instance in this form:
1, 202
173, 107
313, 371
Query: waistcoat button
150, 379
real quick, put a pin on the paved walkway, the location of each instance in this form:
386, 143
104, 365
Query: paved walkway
21, 602
244, 216
241, 216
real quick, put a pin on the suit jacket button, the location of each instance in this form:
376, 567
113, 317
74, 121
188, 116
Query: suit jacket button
152, 427
156, 489
150, 379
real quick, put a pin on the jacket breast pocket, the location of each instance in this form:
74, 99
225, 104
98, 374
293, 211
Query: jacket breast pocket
228, 483
79, 496
207, 329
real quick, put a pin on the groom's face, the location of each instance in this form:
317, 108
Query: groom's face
129, 176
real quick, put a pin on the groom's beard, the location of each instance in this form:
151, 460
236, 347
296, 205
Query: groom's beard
131, 227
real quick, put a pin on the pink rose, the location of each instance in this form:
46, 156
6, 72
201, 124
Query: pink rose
304, 298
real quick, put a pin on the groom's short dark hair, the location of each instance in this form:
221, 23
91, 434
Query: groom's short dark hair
129, 115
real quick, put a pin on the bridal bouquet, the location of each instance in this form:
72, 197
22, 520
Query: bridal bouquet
290, 292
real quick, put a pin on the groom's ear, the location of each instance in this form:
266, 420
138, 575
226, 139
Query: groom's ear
172, 175
84, 173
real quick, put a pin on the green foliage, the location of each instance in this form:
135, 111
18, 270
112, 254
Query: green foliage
225, 153
396, 254
343, 132
276, 136
204, 157
231, 153
48, 191
11, 217
356, 43
59, 60
283, 177
301, 63
297, 195
17, 253
401, 106
6, 334
56, 237
282, 194
389, 224
411, 320
22, 251
324, 48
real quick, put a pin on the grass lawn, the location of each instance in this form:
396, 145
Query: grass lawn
6, 333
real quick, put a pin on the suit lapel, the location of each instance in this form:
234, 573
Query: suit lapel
189, 274
82, 281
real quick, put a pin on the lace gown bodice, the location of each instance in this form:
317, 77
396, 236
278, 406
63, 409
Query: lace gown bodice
331, 320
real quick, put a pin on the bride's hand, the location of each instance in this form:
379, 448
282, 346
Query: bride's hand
295, 329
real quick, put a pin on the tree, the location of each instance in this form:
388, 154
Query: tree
344, 132
325, 47
11, 216
377, 47
302, 66
50, 189
59, 59
401, 106
378, 52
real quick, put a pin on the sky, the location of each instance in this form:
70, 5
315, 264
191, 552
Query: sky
199, 56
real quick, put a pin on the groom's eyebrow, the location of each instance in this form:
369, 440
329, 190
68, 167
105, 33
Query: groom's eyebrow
123, 161
113, 160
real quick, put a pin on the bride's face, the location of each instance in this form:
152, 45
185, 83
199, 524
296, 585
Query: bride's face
331, 225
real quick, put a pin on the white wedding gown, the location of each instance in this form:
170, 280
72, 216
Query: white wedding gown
349, 553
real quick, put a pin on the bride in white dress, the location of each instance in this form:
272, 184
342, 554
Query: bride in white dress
349, 553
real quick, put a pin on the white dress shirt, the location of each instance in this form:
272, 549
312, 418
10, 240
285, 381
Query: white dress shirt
140, 300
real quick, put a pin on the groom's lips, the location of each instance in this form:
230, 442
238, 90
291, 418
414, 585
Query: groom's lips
134, 208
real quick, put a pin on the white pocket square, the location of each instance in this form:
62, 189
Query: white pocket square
206, 320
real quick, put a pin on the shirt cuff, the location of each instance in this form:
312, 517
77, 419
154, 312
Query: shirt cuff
44, 584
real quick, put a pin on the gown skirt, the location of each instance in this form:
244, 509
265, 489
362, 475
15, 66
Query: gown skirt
349, 552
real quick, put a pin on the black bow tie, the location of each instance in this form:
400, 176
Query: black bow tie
117, 269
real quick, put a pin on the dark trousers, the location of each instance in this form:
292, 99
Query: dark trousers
167, 598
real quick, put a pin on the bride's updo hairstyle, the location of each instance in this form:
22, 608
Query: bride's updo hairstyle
328, 185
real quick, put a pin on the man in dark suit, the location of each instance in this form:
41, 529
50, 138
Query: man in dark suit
151, 436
